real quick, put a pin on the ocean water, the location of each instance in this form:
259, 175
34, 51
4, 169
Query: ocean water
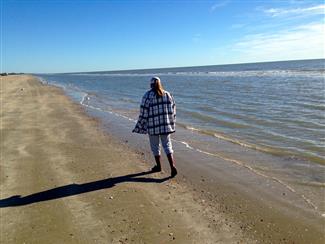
273, 114
276, 107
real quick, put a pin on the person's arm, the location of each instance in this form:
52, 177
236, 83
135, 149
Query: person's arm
141, 126
173, 107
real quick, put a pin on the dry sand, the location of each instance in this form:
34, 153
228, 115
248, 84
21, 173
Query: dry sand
64, 181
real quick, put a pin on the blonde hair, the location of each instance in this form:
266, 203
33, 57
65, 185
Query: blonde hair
157, 86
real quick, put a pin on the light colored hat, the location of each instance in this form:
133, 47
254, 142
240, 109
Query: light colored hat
152, 81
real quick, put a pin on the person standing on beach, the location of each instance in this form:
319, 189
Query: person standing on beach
157, 118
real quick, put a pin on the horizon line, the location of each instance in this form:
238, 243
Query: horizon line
172, 67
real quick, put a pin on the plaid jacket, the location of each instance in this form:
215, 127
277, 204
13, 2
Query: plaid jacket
157, 114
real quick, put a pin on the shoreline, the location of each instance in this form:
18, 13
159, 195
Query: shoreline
101, 96
210, 201
65, 180
264, 214
265, 196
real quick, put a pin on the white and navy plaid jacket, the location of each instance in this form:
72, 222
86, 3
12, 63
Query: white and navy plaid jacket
157, 114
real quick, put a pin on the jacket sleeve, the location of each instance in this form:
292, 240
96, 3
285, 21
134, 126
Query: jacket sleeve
141, 125
173, 107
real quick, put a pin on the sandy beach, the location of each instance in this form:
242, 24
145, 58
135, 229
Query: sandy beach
65, 180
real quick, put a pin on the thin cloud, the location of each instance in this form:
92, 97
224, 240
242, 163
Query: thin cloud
302, 42
219, 4
313, 10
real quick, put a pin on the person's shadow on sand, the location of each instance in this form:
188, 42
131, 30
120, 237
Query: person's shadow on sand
75, 189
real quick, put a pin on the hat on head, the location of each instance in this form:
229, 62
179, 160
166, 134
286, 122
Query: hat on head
153, 79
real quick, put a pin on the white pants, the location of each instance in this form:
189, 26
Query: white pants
165, 141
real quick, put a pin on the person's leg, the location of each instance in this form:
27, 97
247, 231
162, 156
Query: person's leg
168, 147
155, 148
157, 167
173, 170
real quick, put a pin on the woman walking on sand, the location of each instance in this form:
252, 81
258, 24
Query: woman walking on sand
157, 118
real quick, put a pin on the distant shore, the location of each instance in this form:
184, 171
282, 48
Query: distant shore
6, 74
79, 185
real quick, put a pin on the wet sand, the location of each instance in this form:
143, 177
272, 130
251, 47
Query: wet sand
264, 208
65, 180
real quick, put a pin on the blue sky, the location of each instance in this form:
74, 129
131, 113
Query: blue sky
66, 36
